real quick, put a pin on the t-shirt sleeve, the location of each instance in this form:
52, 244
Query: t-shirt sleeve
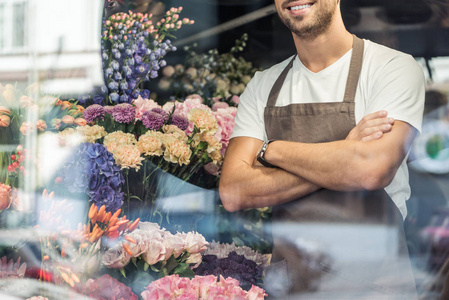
249, 120
399, 88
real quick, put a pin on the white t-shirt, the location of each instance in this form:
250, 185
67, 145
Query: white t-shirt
390, 80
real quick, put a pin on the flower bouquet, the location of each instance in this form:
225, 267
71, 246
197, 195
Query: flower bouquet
133, 47
218, 78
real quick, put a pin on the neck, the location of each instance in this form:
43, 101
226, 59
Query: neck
319, 53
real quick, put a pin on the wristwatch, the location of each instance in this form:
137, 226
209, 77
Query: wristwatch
260, 156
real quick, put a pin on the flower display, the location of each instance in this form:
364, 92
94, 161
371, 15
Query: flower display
199, 288
212, 76
117, 152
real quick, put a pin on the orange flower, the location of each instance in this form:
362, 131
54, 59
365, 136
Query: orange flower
4, 111
4, 121
67, 119
41, 125
66, 105
80, 122
5, 196
58, 102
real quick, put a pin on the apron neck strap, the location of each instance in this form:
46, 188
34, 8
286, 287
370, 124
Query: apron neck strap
355, 68
351, 83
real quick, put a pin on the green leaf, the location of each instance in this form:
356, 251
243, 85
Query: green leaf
122, 271
184, 270
145, 266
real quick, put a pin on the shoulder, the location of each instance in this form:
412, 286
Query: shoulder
382, 58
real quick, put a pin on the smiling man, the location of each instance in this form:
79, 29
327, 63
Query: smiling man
323, 138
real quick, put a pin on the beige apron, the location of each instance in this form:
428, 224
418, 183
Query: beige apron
334, 245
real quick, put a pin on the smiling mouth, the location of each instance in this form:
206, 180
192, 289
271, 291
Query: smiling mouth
299, 7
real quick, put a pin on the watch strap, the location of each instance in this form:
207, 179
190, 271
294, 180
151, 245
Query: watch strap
261, 155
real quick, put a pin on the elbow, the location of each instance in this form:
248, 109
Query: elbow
376, 178
228, 197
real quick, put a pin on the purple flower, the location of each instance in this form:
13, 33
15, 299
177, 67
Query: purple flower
108, 109
92, 170
93, 112
124, 113
180, 121
153, 120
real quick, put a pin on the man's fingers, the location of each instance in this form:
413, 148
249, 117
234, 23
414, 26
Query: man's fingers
374, 136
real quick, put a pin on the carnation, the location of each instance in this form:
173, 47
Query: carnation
203, 120
124, 113
177, 151
176, 132
153, 120
150, 143
127, 156
91, 133
226, 120
143, 105
93, 112
199, 287
117, 138
179, 121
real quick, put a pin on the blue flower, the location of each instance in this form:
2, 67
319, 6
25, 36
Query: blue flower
92, 170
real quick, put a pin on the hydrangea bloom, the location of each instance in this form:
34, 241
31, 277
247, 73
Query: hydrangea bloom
92, 170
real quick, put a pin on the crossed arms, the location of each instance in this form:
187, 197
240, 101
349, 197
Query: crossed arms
367, 159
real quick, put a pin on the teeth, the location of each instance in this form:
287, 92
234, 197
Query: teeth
300, 7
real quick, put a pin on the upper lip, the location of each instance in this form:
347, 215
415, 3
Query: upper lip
291, 3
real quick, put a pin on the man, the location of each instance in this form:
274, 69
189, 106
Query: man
296, 147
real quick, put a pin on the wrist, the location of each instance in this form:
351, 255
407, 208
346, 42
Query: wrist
261, 156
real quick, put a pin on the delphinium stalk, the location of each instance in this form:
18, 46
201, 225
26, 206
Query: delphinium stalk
133, 48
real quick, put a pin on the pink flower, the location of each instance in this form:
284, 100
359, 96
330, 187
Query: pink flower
143, 105
218, 105
115, 258
41, 125
25, 101
194, 242
212, 169
5, 196
256, 293
235, 99
154, 253
174, 245
27, 127
226, 121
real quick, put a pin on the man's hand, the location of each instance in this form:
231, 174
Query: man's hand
371, 127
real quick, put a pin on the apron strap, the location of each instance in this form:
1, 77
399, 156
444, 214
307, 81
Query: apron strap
274, 93
351, 83
355, 68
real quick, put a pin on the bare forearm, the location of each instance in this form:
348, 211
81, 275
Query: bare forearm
253, 187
